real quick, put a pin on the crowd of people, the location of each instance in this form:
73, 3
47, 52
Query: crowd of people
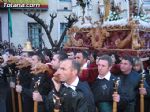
76, 81
6, 45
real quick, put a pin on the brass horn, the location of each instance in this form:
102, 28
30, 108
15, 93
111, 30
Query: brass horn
27, 47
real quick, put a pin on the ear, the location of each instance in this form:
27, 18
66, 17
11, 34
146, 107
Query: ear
74, 71
110, 67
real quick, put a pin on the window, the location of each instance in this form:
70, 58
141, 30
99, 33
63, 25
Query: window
146, 0
65, 0
35, 33
65, 8
62, 28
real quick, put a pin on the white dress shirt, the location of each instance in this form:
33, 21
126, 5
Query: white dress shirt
107, 76
73, 85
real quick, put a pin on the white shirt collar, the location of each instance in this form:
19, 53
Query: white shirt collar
73, 85
107, 76
84, 66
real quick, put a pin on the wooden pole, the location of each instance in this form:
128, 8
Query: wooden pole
12, 93
116, 84
142, 100
19, 95
35, 106
35, 102
56, 110
115, 104
142, 96
13, 99
37, 83
19, 102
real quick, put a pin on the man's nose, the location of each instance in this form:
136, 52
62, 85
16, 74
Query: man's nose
99, 67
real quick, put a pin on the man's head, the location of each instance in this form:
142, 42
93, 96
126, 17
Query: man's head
104, 65
47, 54
57, 58
37, 58
68, 71
8, 54
26, 55
81, 57
92, 56
126, 64
137, 64
71, 55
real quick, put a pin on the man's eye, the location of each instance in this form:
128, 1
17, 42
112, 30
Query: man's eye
62, 68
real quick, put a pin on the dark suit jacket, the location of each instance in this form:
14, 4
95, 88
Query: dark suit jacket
80, 100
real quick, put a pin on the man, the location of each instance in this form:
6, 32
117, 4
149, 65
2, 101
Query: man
45, 81
25, 78
38, 75
82, 58
130, 81
88, 73
75, 96
7, 77
103, 86
4, 89
138, 67
71, 55
57, 58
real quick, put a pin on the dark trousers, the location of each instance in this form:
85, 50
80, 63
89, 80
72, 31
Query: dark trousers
147, 105
27, 103
4, 98
127, 108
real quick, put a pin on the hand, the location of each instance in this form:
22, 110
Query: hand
37, 97
116, 97
19, 88
12, 84
142, 91
56, 83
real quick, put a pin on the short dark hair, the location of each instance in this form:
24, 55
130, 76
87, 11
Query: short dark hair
136, 60
94, 54
84, 54
11, 51
29, 54
62, 55
76, 65
47, 52
107, 58
40, 56
128, 58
